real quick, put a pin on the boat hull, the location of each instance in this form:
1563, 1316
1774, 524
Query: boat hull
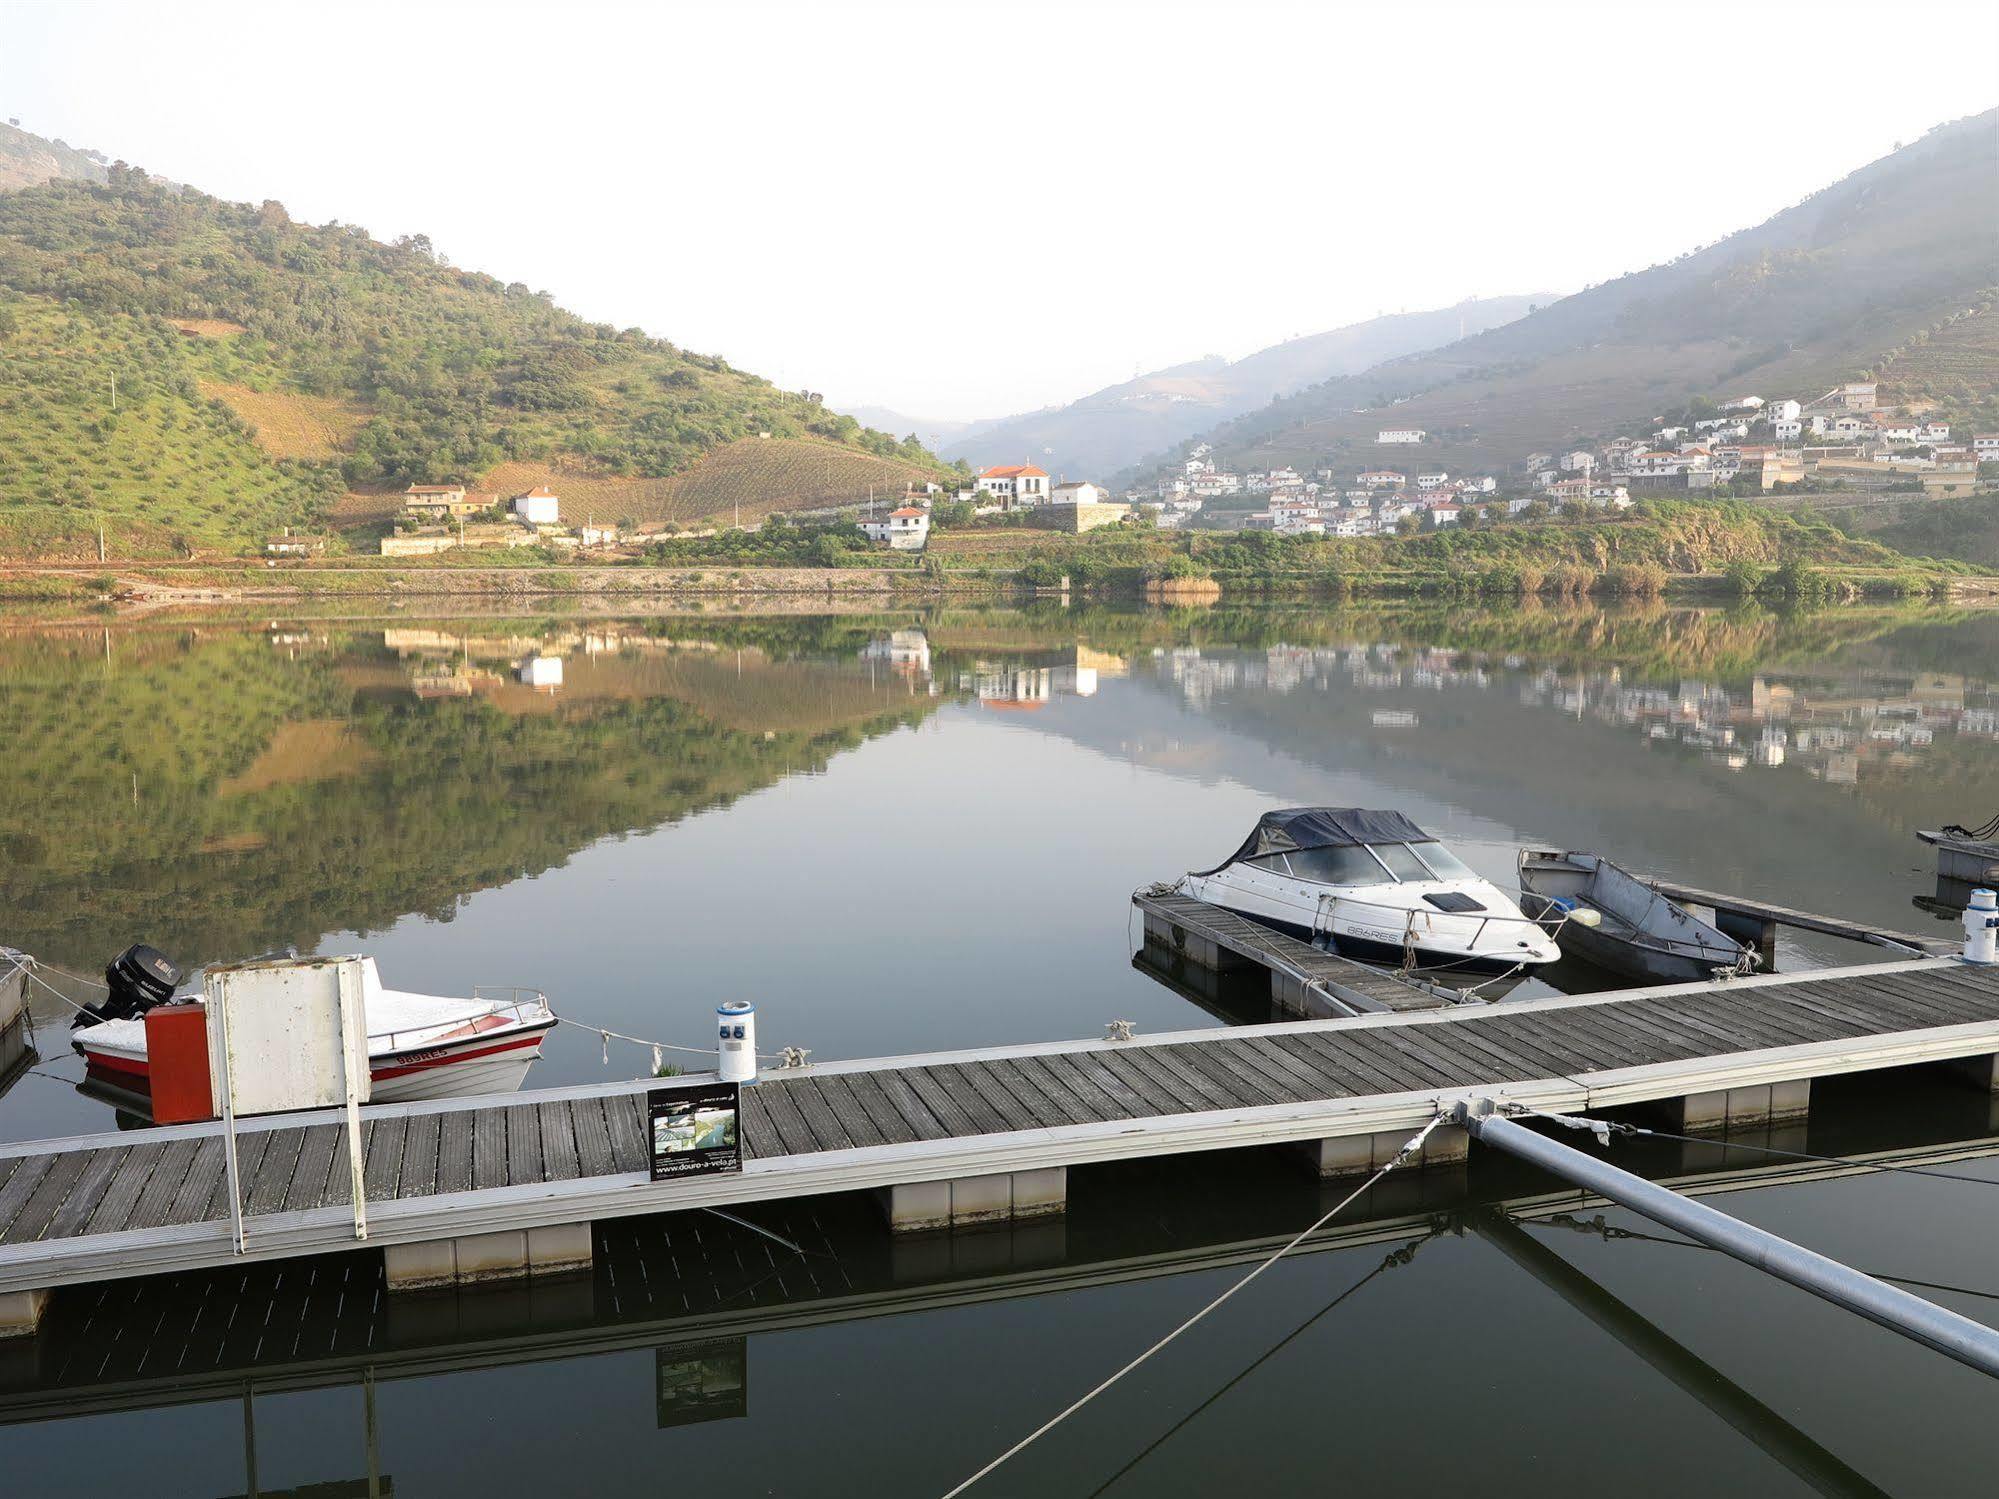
1642, 935
487, 1063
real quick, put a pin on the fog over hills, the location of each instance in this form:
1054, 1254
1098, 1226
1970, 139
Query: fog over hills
1112, 428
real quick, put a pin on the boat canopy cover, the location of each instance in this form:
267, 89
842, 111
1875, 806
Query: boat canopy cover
1323, 827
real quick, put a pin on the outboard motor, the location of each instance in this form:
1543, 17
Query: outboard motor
138, 978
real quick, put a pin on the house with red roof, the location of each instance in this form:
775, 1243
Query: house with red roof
1010, 485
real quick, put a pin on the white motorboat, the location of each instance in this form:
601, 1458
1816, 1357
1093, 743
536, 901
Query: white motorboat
419, 1045
1373, 886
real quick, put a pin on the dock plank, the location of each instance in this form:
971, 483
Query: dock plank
265, 1191
249, 1155
838, 1095
421, 1151
22, 1185
755, 1134
1086, 1085
781, 1102
881, 1113
454, 1152
559, 1159
384, 1162
1247, 1075
593, 1139
992, 1090
1077, 1107
69, 1205
323, 1152
948, 1109
827, 1130
631, 1150
919, 1116
121, 1194
489, 1148
206, 1170
163, 1185
1093, 1068
524, 1160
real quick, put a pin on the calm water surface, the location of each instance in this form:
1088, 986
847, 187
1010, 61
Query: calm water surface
921, 832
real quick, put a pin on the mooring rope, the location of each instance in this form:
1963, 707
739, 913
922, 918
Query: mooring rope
789, 1056
1415, 1144
25, 964
1604, 1128
1392, 1260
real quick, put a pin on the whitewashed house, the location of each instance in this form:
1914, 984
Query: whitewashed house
1742, 403
538, 507
1786, 410
1382, 478
1578, 462
1014, 484
1432, 481
1079, 492
1787, 428
1399, 434
904, 530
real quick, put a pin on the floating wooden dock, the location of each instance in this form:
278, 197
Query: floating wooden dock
693, 1280
1756, 922
469, 1189
1304, 980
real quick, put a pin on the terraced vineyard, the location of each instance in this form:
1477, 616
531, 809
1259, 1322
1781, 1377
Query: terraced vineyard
761, 475
266, 368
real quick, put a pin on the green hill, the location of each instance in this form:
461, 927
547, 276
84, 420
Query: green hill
1891, 271
263, 367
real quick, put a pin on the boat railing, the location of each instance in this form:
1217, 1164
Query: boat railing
520, 1005
1464, 929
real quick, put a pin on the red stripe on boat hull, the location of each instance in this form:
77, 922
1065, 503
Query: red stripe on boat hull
140, 1069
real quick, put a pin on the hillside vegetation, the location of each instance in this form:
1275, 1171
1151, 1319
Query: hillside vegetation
373, 365
1891, 269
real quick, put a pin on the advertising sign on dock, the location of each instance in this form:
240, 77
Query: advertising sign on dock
694, 1130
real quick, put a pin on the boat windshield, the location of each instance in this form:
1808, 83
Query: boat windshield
1401, 861
1442, 862
1335, 866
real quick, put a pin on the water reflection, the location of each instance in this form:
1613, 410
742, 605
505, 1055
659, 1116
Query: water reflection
644, 815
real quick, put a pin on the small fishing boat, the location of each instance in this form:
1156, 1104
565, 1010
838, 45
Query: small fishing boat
1373, 886
1639, 934
419, 1045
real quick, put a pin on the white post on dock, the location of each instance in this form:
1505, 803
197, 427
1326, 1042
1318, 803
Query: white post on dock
1981, 928
736, 1043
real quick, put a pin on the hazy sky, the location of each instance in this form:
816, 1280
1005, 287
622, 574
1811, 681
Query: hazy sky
966, 209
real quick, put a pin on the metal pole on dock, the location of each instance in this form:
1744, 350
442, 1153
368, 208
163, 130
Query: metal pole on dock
1897, 1310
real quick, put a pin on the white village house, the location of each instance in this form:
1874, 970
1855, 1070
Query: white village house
1399, 434
1079, 492
538, 507
905, 529
1014, 484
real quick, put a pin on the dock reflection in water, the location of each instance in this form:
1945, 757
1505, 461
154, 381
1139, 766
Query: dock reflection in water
707, 1303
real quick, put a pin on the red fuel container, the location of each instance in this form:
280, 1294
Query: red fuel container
177, 1057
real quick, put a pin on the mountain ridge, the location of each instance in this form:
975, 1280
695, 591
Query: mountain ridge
1111, 428
1817, 293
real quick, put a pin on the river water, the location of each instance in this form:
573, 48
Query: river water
919, 832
